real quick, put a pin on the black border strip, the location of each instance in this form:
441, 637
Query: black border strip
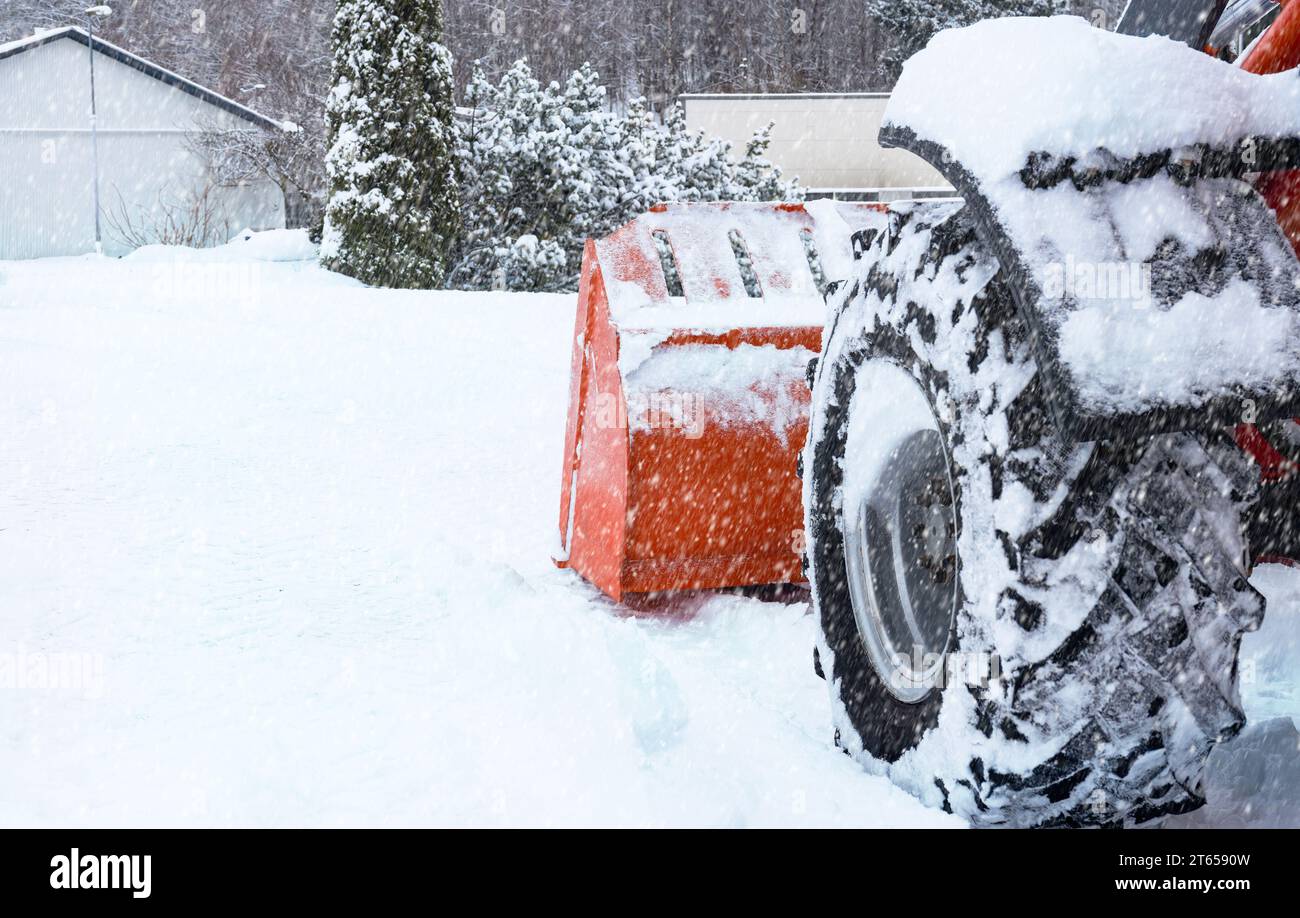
380, 871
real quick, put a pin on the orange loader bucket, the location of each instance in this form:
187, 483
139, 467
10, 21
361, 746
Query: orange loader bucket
688, 403
1278, 49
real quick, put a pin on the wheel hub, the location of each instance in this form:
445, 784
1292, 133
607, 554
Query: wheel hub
900, 544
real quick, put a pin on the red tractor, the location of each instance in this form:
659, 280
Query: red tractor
1275, 446
1050, 424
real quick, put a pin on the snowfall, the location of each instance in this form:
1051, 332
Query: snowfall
275, 549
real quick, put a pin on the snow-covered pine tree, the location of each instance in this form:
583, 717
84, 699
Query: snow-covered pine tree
693, 167
647, 170
497, 154
536, 160
394, 206
910, 24
601, 171
549, 167
756, 178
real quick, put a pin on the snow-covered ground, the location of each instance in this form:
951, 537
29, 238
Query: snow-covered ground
274, 550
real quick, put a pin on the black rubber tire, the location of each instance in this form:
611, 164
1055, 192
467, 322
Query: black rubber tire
1108, 579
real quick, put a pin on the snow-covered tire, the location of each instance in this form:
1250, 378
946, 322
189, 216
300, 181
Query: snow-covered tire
1105, 580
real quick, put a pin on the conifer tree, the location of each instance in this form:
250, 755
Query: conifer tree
394, 206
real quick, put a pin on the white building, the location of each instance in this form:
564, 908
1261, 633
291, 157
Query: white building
154, 183
826, 140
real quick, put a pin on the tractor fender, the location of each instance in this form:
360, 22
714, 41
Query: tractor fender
1159, 291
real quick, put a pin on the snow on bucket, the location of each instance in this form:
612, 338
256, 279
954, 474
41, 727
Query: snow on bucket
688, 401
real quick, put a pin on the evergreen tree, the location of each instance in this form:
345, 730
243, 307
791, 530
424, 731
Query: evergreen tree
394, 206
756, 179
549, 167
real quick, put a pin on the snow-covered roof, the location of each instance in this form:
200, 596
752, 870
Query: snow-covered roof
121, 55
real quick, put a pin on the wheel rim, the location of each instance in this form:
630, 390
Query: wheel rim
900, 550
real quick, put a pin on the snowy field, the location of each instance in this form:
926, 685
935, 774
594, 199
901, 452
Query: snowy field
280, 546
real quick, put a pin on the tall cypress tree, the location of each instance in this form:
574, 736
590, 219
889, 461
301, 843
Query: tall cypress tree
394, 207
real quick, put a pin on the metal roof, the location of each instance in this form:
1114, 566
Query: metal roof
148, 68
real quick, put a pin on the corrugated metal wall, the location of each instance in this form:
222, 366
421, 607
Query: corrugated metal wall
827, 141
149, 174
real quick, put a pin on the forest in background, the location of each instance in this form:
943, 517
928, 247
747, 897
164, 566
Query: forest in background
276, 56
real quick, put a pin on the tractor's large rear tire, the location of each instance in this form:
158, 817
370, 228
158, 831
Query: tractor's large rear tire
1086, 601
